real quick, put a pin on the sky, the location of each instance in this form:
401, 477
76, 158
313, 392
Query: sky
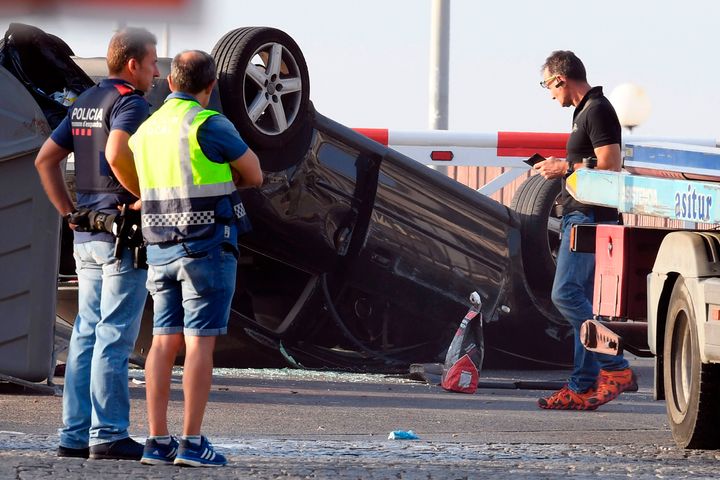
369, 60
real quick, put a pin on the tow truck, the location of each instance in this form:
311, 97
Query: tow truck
657, 290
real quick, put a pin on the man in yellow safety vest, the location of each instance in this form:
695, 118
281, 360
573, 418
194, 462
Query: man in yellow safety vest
191, 218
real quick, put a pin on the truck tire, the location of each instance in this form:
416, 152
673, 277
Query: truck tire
536, 202
692, 389
264, 84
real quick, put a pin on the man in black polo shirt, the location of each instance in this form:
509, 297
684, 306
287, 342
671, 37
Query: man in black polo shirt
596, 378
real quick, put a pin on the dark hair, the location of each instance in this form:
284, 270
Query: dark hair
192, 71
566, 63
128, 43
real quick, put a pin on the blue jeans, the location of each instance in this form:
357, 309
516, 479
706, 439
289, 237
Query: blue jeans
572, 294
192, 296
111, 298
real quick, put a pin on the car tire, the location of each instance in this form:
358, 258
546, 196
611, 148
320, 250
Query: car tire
264, 85
692, 389
536, 202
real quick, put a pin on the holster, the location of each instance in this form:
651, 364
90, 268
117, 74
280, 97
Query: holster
129, 235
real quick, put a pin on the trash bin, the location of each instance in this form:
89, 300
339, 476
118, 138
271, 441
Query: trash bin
29, 243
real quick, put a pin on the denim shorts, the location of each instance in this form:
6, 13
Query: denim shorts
192, 295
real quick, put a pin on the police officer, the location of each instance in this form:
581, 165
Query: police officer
186, 157
111, 292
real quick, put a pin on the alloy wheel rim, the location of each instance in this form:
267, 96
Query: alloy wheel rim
273, 88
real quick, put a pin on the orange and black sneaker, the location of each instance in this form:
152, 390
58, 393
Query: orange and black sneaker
567, 399
610, 384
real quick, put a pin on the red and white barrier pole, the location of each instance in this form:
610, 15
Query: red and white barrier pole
489, 149
499, 149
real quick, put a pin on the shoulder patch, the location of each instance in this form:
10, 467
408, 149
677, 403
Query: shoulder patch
123, 89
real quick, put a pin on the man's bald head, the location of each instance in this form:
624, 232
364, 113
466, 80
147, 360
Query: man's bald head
192, 71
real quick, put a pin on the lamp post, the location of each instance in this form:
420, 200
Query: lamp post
439, 67
631, 104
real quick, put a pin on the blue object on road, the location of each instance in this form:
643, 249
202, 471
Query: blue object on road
402, 435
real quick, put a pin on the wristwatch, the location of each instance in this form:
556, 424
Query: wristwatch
67, 216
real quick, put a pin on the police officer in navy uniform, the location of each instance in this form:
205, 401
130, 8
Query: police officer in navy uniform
111, 291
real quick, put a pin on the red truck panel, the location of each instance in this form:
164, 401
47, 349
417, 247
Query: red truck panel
624, 256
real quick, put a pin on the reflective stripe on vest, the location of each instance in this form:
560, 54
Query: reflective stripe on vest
186, 218
180, 187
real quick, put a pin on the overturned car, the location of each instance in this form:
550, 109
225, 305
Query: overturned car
360, 258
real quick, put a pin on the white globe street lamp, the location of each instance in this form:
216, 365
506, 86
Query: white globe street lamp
631, 104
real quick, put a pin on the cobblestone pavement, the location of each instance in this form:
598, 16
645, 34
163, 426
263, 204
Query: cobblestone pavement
297, 424
32, 457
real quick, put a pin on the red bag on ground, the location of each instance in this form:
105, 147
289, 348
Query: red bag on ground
461, 372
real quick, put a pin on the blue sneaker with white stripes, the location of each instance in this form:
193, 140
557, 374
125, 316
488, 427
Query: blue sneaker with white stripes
203, 455
157, 453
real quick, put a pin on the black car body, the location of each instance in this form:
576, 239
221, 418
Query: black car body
360, 258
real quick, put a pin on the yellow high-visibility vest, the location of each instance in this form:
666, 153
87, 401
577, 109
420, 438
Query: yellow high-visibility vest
179, 185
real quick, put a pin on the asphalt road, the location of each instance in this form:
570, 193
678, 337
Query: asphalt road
300, 424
